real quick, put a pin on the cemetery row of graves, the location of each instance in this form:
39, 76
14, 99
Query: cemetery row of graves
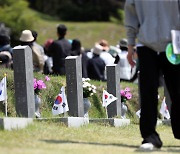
106, 103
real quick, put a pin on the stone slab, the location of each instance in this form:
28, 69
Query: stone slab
111, 121
164, 122
69, 121
74, 86
10, 123
23, 81
167, 122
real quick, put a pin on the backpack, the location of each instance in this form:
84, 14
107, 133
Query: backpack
38, 59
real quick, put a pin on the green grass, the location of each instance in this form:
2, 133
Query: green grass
87, 32
49, 94
49, 137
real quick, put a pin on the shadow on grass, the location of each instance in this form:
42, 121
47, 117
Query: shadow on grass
90, 143
167, 148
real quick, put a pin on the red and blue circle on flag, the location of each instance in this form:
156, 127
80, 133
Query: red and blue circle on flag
58, 100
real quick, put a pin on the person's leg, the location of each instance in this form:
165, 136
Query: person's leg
172, 78
149, 78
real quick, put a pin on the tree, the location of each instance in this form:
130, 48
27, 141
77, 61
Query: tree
13, 14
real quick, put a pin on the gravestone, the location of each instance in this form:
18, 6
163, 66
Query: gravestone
74, 86
113, 87
23, 81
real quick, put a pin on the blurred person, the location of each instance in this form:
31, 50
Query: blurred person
27, 38
151, 22
96, 65
59, 50
78, 50
5, 51
105, 55
49, 61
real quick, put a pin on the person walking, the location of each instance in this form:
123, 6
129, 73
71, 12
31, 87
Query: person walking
59, 50
151, 22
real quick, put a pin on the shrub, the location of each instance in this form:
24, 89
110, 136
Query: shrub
14, 15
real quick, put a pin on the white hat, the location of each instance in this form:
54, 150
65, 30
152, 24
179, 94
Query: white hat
26, 36
97, 49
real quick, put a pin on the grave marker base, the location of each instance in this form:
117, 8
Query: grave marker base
111, 121
10, 123
69, 121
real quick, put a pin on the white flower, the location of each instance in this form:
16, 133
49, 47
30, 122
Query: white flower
94, 87
89, 88
83, 79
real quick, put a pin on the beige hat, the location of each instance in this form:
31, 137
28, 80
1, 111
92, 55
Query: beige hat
104, 44
26, 36
97, 49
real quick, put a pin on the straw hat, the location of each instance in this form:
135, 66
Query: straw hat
26, 36
97, 49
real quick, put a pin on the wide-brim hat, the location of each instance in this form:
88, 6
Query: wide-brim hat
26, 36
97, 49
104, 45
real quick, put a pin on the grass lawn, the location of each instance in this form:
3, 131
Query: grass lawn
48, 137
87, 32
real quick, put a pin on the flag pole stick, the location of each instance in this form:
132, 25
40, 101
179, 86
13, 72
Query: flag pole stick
106, 112
5, 94
6, 107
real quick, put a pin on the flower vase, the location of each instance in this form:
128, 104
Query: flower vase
87, 106
37, 105
123, 110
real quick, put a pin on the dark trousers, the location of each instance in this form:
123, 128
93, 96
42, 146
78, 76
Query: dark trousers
150, 65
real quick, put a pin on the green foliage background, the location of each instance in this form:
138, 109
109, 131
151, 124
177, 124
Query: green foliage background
13, 14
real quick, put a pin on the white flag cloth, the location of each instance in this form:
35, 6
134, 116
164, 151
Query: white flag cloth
138, 113
107, 98
3, 89
60, 105
164, 110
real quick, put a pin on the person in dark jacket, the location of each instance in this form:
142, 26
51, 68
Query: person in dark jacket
77, 50
96, 65
59, 50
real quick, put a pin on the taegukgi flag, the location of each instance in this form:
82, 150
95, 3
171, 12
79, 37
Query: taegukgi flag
60, 104
3, 89
107, 98
138, 113
164, 109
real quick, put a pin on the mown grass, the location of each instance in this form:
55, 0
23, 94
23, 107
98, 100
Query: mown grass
87, 32
49, 137
49, 94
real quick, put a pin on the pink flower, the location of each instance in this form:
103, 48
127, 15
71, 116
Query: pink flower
128, 95
122, 92
35, 84
127, 89
41, 84
47, 78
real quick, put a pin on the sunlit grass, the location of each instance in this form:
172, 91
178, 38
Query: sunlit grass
49, 137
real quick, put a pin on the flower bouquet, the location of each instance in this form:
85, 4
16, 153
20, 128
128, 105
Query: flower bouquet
39, 84
126, 95
88, 89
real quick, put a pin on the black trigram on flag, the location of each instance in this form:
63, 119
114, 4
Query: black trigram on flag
55, 107
63, 105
